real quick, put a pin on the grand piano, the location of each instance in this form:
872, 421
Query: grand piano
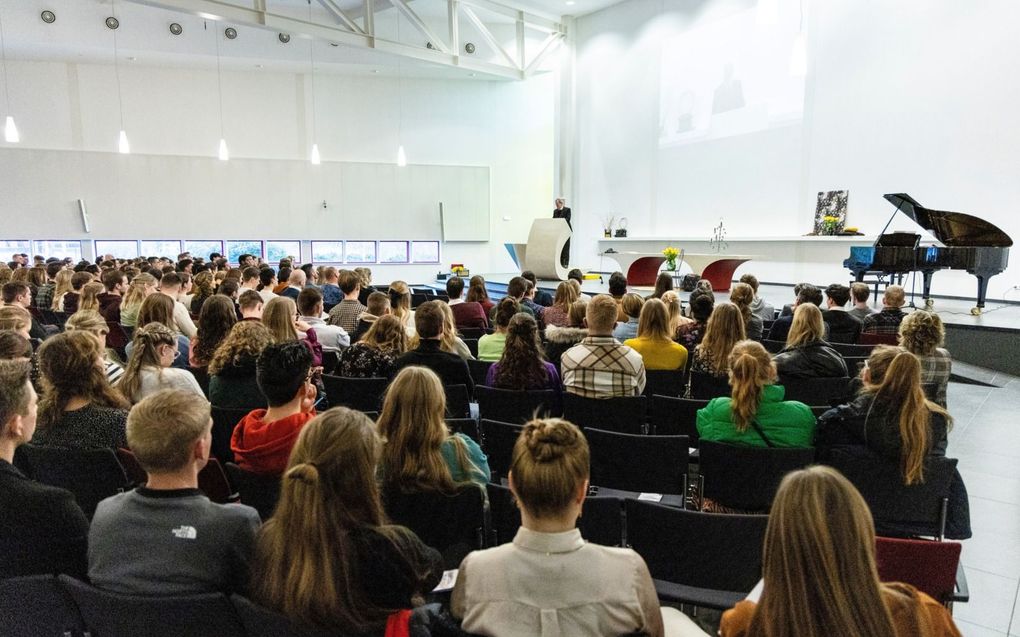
969, 243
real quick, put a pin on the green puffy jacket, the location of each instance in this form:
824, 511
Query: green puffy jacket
785, 423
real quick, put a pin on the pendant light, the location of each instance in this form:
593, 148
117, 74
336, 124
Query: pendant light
798, 56
11, 135
224, 152
315, 158
123, 146
401, 155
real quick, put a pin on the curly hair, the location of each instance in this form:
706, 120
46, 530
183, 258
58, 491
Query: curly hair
387, 334
68, 363
521, 366
922, 332
241, 347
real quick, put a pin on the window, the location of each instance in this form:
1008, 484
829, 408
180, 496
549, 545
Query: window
360, 251
276, 250
200, 248
425, 252
392, 252
160, 248
327, 251
10, 247
119, 249
236, 248
59, 248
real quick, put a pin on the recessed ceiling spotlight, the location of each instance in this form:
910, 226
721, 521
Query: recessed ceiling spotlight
48, 16
375, 70
230, 32
112, 23
470, 47
284, 37
570, 3
131, 58
176, 28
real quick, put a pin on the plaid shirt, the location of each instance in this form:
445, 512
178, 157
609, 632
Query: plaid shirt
345, 314
935, 370
885, 322
600, 367
44, 296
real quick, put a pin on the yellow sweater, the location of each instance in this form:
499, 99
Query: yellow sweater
659, 354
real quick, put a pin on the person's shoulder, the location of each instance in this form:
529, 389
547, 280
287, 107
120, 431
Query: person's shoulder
241, 515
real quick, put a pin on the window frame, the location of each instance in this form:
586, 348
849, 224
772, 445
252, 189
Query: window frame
343, 251
375, 252
30, 251
96, 252
439, 251
81, 253
407, 252
180, 248
262, 248
185, 247
276, 262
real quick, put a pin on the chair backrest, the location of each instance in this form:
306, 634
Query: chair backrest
926, 565
746, 478
498, 439
624, 414
508, 405
850, 349
471, 332
135, 473
363, 394
452, 524
653, 464
878, 339
224, 421
898, 510
262, 622
714, 551
330, 359
201, 375
668, 416
504, 516
479, 369
706, 386
472, 345
466, 426
116, 338
257, 490
458, 401
601, 522
773, 347
665, 382
117, 615
417, 299
817, 391
212, 480
37, 606
91, 475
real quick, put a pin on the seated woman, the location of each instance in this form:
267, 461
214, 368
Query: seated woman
724, 329
756, 415
92, 322
149, 366
367, 569
419, 452
232, 370
448, 340
663, 284
214, 323
549, 575
373, 355
654, 341
523, 365
281, 317
818, 515
159, 308
400, 305
79, 409
490, 346
676, 317
742, 295
558, 313
691, 332
477, 293
631, 305
141, 287
560, 339
807, 354
922, 334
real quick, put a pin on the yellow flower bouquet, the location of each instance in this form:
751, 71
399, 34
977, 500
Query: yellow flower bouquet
671, 254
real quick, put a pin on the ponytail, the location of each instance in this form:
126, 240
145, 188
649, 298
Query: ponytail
144, 354
751, 369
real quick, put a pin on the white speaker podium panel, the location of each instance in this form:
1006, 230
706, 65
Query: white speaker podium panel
545, 244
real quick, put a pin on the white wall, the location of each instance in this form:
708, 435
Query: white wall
916, 96
72, 108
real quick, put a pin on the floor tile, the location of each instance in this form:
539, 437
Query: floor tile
991, 600
973, 630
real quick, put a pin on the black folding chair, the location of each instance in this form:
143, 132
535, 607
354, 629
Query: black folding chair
418, 299
201, 375
363, 394
458, 401
847, 349
624, 414
472, 344
773, 347
498, 440
508, 405
466, 426
746, 478
601, 521
471, 332
665, 382
117, 615
92, 475
224, 422
453, 524
329, 361
504, 516
669, 416
817, 391
652, 464
262, 622
479, 369
706, 386
257, 490
37, 606
705, 559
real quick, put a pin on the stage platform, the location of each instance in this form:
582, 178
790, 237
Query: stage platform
991, 340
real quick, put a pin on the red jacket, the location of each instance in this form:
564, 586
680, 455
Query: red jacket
469, 314
264, 447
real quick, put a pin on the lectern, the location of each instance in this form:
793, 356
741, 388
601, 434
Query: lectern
541, 254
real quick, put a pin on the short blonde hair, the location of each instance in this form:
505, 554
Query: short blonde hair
894, 296
632, 304
14, 317
163, 428
601, 313
922, 332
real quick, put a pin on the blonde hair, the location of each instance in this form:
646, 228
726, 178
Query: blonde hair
91, 322
61, 286
387, 334
818, 562
751, 369
807, 326
894, 296
550, 462
163, 428
578, 312
244, 343
672, 302
67, 364
90, 296
724, 329
601, 314
413, 430
400, 301
922, 332
654, 321
137, 291
448, 337
15, 318
144, 354
632, 304
566, 295
742, 295
278, 315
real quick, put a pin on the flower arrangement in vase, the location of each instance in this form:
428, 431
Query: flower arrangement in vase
830, 225
671, 254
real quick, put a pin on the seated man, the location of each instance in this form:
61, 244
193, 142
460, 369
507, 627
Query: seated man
346, 312
116, 285
860, 292
249, 280
600, 366
529, 302
887, 321
331, 294
515, 289
758, 307
78, 280
44, 295
617, 290
295, 283
806, 293
42, 530
465, 314
263, 439
250, 304
333, 338
167, 538
541, 297
19, 294
378, 305
170, 285
843, 326
451, 368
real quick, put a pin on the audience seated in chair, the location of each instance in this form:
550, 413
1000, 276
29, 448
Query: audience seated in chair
378, 305
451, 368
478, 294
15, 318
333, 338
522, 365
214, 324
558, 313
43, 530
71, 298
725, 328
61, 286
600, 366
250, 305
691, 332
756, 415
149, 370
90, 322
759, 307
450, 341
367, 289
267, 283
331, 294
806, 293
922, 334
262, 441
490, 346
170, 286
400, 304
141, 287
844, 327
159, 308
742, 295
560, 339
631, 305
887, 321
232, 378
549, 575
44, 293
540, 297
528, 301
18, 294
374, 355
281, 317
807, 354
167, 538
859, 292
369, 569
468, 314
818, 515
295, 283
654, 339
515, 289
79, 409
618, 289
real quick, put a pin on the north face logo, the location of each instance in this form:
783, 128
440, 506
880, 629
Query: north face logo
185, 533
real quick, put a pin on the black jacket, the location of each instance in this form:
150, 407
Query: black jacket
873, 425
843, 327
42, 529
816, 359
451, 368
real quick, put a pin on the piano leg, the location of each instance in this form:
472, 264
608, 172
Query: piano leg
926, 295
982, 279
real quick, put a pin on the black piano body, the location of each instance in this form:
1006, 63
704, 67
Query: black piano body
969, 243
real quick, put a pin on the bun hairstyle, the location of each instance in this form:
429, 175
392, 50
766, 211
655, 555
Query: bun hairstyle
505, 311
751, 368
550, 462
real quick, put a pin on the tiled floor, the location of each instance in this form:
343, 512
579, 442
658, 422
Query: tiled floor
986, 439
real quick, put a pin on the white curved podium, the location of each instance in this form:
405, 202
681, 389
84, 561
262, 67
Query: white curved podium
541, 255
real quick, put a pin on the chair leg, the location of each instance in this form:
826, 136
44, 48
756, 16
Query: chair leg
943, 514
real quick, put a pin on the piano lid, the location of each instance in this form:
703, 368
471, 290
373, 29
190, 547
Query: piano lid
951, 228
